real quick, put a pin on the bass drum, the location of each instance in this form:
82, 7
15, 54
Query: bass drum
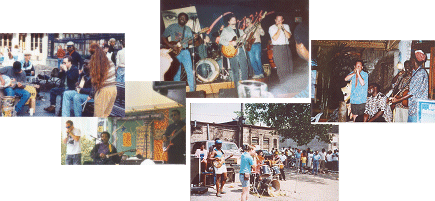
207, 70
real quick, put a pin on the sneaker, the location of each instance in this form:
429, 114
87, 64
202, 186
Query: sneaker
50, 109
218, 195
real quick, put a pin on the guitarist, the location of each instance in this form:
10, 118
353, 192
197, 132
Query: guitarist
418, 86
177, 147
400, 81
255, 50
238, 63
178, 32
221, 172
16, 73
100, 151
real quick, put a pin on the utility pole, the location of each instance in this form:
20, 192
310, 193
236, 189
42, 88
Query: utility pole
241, 121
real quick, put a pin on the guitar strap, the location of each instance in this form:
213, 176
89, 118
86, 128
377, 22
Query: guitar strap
237, 32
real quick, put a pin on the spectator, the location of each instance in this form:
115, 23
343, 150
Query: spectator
120, 64
60, 55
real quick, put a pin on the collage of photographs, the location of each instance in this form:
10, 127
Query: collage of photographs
264, 100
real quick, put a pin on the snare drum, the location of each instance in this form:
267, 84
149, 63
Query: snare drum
275, 170
265, 171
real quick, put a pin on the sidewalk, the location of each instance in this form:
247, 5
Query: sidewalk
296, 187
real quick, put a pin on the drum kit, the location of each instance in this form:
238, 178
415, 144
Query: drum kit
209, 69
266, 182
8, 106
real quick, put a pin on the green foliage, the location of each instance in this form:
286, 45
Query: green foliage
86, 146
290, 121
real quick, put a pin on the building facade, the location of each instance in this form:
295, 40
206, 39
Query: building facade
262, 137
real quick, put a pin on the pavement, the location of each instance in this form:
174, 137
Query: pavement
322, 187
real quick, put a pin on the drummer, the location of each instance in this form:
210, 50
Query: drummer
246, 162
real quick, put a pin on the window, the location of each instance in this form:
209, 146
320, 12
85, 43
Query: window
266, 143
275, 143
254, 140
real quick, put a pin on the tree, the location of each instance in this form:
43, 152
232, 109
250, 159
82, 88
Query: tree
291, 121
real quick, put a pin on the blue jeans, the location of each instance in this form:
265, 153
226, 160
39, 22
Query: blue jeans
74, 159
239, 66
77, 99
255, 58
59, 61
315, 166
412, 119
184, 58
23, 94
54, 93
245, 183
120, 75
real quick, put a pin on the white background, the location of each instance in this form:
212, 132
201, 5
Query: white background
378, 161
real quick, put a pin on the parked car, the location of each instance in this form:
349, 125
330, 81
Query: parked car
227, 147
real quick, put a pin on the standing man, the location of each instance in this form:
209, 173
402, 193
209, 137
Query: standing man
72, 141
113, 52
120, 64
282, 56
418, 87
316, 159
359, 82
298, 159
177, 146
178, 32
246, 161
60, 55
76, 59
283, 158
221, 172
239, 63
68, 75
255, 52
17, 74
322, 161
101, 152
401, 84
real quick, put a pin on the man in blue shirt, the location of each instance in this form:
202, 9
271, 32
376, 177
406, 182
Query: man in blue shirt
298, 159
179, 32
246, 161
316, 159
359, 82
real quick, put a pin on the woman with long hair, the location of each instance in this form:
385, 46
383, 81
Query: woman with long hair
103, 80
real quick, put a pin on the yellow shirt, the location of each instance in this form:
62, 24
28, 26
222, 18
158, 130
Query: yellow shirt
304, 159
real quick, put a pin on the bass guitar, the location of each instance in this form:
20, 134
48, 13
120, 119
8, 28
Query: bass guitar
220, 161
168, 143
178, 44
230, 51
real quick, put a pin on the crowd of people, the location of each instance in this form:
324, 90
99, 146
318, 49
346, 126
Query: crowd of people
369, 104
81, 81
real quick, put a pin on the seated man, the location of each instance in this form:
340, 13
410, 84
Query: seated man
82, 93
27, 66
69, 74
377, 108
103, 153
16, 74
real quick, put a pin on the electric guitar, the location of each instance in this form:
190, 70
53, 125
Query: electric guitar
230, 51
178, 44
110, 155
168, 143
250, 40
220, 161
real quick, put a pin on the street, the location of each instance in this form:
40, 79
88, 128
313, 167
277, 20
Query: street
322, 187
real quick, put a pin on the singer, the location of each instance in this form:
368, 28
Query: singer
72, 141
104, 153
282, 56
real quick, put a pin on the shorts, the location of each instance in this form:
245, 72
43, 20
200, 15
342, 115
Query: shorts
245, 183
222, 169
358, 109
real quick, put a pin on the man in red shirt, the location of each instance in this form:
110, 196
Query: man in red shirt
60, 55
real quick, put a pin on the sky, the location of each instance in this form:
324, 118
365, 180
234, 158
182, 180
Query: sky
213, 112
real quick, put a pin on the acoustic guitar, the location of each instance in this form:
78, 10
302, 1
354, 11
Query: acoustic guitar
230, 51
220, 161
177, 49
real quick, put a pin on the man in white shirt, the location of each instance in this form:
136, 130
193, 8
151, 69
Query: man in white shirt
72, 141
280, 34
322, 160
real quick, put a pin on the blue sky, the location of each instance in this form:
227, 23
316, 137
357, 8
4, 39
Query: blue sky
213, 112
